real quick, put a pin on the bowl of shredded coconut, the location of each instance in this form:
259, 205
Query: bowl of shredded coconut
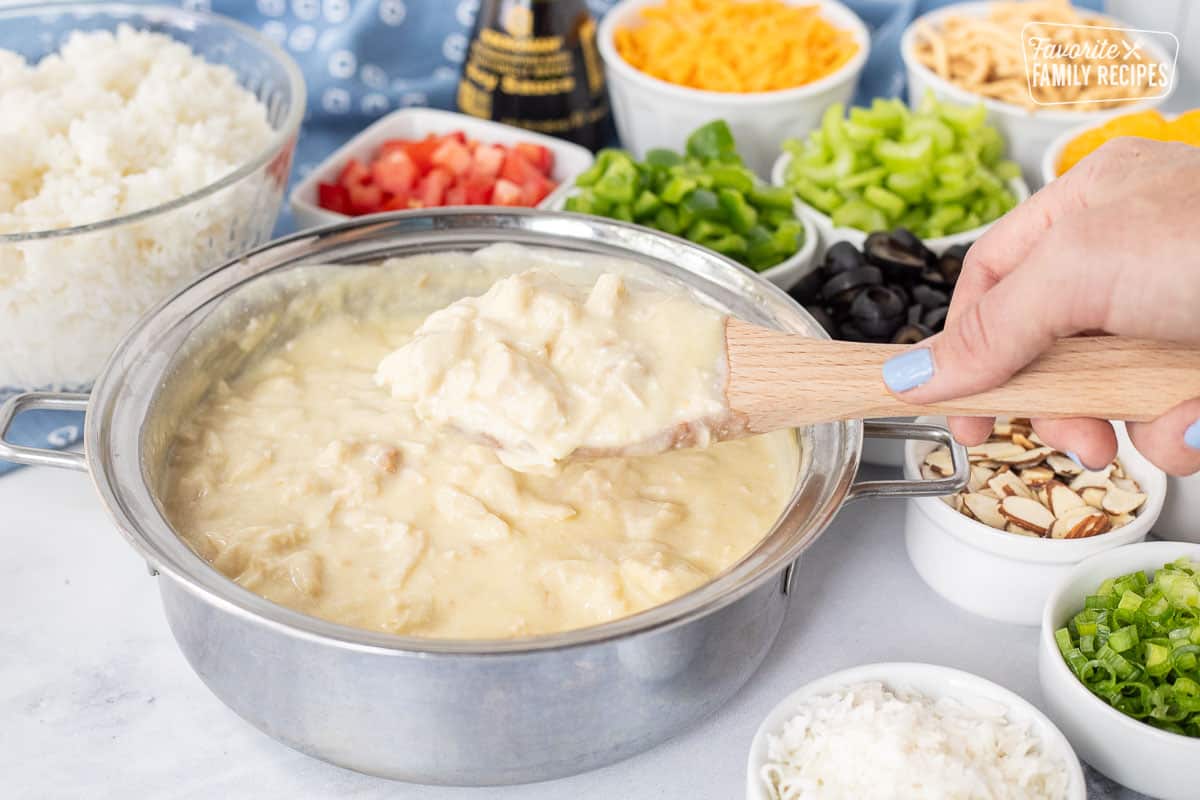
911, 731
139, 147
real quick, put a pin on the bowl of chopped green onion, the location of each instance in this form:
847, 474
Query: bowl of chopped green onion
1119, 663
706, 195
938, 171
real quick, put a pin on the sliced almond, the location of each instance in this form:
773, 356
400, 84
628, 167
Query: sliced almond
1118, 469
1023, 440
1094, 496
1119, 501
988, 492
1018, 530
1120, 520
1060, 499
1080, 523
1089, 479
987, 464
979, 478
1006, 484
1128, 484
1043, 495
1002, 428
1037, 476
1027, 458
985, 509
1063, 465
995, 451
1028, 513
1037, 440
939, 460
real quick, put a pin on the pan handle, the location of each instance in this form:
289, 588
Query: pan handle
37, 456
921, 488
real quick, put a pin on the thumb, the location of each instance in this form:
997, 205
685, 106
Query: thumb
989, 341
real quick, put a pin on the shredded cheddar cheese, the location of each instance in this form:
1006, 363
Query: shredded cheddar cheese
1146, 124
739, 46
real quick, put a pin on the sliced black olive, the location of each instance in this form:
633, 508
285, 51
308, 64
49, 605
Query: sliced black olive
935, 319
929, 297
915, 312
822, 317
904, 293
908, 240
876, 302
881, 329
836, 288
950, 262
896, 261
808, 289
848, 332
843, 257
934, 277
911, 334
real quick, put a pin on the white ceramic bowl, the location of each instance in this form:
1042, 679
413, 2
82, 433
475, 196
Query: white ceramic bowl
1001, 575
1027, 131
785, 274
1054, 150
652, 113
928, 679
1180, 518
831, 234
1144, 758
416, 123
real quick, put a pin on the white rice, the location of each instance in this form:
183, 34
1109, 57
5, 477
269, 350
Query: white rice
868, 741
110, 125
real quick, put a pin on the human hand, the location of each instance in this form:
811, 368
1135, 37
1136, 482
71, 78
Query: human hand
1113, 246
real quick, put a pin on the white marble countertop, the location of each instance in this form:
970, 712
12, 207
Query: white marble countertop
96, 701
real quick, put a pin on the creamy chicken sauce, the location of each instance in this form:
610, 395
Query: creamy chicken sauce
542, 368
305, 482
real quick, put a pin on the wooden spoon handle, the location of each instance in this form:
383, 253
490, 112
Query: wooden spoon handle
780, 380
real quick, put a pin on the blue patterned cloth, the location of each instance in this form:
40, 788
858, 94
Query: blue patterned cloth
364, 58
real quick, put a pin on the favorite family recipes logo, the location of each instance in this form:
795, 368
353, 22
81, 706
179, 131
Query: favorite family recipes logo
1079, 64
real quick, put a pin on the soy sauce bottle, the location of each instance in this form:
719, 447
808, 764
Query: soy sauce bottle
534, 64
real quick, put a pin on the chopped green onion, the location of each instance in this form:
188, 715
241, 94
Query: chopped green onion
1136, 645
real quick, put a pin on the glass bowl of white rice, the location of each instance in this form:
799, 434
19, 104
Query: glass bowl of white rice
139, 146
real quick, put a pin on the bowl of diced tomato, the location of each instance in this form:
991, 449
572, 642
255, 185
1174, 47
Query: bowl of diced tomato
426, 158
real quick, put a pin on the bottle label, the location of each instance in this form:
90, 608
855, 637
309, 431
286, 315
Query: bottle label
552, 84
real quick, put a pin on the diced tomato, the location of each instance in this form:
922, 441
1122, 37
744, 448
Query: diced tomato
422, 152
333, 197
394, 144
535, 190
540, 157
507, 193
479, 189
354, 174
456, 195
396, 202
487, 160
452, 155
517, 168
394, 171
365, 198
432, 189
459, 136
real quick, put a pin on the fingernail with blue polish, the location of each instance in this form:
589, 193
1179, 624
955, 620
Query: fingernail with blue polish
1191, 437
1075, 458
908, 370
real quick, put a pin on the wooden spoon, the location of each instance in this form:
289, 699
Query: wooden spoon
780, 380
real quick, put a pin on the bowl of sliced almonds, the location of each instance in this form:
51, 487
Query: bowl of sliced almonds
1027, 515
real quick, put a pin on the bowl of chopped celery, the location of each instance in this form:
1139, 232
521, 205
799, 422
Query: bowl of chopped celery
1119, 664
939, 171
707, 195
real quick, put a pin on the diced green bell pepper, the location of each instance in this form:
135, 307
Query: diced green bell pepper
647, 204
712, 142
740, 215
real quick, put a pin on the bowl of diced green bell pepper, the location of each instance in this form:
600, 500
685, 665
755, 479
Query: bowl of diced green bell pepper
705, 195
939, 171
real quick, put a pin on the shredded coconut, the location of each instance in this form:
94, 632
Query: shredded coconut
868, 741
112, 124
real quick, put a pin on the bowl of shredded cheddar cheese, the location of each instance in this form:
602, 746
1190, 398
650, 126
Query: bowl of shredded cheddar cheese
768, 67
